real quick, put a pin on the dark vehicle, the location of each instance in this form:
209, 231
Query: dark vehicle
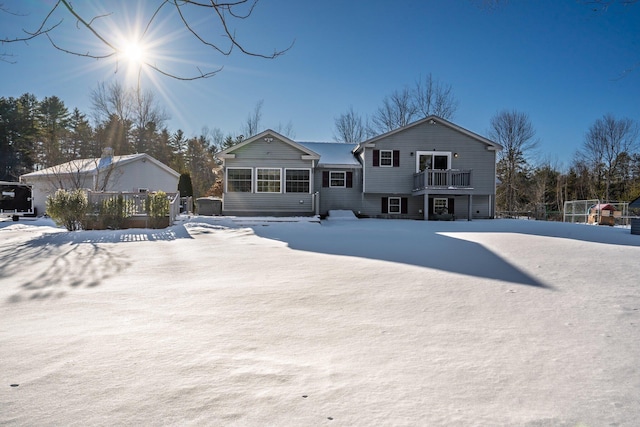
16, 200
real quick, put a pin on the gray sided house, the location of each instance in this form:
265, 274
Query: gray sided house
430, 169
130, 173
269, 174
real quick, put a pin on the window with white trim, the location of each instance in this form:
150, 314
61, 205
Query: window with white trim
440, 205
297, 180
267, 180
337, 179
239, 180
395, 204
386, 158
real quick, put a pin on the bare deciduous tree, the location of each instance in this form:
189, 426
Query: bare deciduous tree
349, 128
199, 19
427, 97
252, 125
397, 110
286, 130
136, 111
432, 97
147, 116
608, 143
514, 131
95, 174
110, 100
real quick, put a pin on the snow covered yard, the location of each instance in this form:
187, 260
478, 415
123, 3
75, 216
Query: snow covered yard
367, 322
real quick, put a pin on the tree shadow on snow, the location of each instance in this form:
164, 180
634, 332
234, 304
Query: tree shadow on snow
63, 261
409, 242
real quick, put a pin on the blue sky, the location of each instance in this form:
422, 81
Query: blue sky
559, 61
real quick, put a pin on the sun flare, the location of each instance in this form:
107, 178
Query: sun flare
133, 52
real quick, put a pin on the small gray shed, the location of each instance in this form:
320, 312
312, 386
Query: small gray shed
209, 206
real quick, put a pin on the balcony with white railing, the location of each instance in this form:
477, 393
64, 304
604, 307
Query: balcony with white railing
454, 180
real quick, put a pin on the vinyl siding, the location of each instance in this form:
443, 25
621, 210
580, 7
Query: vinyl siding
262, 150
274, 154
372, 206
142, 174
245, 203
472, 154
339, 198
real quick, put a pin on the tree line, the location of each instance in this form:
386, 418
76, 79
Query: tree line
40, 133
605, 167
35, 134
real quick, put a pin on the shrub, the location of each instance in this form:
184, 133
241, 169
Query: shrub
68, 208
157, 208
114, 210
185, 187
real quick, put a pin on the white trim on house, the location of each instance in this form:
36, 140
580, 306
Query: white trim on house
397, 207
268, 135
226, 179
389, 159
433, 120
309, 182
344, 179
448, 154
440, 203
268, 182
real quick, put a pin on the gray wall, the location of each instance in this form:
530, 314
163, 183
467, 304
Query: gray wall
472, 154
339, 198
274, 154
378, 182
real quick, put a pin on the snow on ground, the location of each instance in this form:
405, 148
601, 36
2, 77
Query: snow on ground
215, 321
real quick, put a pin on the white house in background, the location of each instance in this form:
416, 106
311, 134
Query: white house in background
130, 173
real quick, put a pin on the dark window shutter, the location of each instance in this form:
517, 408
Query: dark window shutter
396, 158
404, 205
385, 205
450, 206
349, 179
325, 178
376, 157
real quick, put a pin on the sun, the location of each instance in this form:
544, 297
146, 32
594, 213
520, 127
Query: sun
133, 52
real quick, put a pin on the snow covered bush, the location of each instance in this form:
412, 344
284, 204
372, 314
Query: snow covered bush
68, 208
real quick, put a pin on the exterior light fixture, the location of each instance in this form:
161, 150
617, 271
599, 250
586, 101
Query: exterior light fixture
455, 155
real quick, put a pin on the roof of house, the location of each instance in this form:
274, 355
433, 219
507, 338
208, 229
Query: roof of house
435, 120
334, 154
635, 203
91, 166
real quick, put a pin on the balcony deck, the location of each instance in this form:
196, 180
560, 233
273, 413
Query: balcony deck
450, 181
